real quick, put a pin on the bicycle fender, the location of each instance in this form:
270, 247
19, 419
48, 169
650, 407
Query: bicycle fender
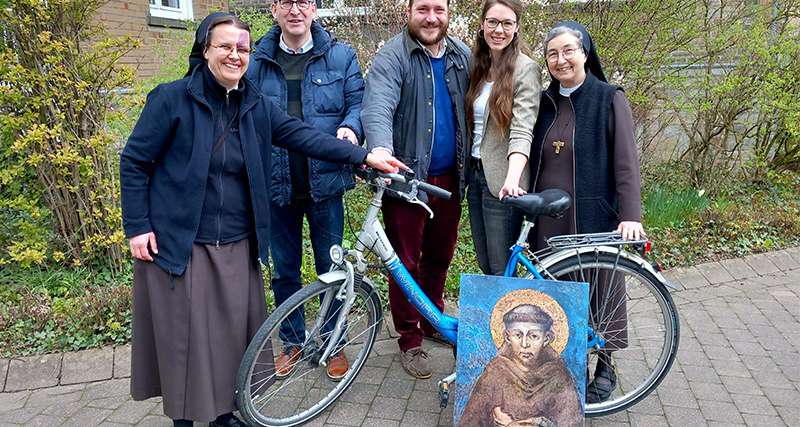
333, 276
636, 259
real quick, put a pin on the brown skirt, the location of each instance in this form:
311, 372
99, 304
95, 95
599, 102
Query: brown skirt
190, 331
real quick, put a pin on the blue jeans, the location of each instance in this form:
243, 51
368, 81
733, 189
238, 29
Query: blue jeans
495, 226
326, 222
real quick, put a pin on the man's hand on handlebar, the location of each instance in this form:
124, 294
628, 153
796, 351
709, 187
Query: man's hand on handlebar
383, 161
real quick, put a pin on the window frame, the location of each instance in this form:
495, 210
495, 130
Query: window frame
184, 12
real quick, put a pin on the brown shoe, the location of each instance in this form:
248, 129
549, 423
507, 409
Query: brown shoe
286, 362
415, 362
337, 366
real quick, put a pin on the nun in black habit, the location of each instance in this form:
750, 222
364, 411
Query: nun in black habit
195, 177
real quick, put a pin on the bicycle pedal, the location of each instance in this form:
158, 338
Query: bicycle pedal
444, 394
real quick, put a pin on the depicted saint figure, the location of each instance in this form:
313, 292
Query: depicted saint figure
527, 383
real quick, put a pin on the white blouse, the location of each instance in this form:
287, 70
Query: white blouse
479, 107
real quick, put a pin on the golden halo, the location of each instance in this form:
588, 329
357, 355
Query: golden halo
530, 296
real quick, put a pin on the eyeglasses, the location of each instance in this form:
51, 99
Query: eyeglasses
228, 49
301, 4
567, 53
492, 23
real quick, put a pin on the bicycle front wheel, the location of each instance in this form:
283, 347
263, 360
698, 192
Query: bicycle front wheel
269, 398
633, 325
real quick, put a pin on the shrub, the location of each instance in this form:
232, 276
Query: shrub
60, 198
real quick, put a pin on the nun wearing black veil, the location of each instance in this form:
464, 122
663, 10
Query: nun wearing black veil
584, 144
195, 177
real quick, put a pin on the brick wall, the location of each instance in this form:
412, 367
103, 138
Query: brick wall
131, 18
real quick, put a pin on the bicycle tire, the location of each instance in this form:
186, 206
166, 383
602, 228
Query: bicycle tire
648, 308
295, 392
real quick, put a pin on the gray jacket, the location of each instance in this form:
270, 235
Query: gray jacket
397, 110
497, 145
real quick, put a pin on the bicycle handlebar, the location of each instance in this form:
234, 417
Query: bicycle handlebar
430, 189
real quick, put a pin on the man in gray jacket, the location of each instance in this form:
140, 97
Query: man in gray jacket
413, 108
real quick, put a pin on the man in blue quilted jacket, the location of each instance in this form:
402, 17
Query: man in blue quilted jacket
316, 78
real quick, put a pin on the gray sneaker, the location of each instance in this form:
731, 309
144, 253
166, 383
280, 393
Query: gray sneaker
415, 362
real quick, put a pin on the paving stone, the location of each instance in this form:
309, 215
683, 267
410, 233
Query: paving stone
122, 361
644, 420
348, 414
419, 419
394, 387
3, 372
371, 375
749, 404
19, 416
64, 410
789, 414
763, 421
109, 402
446, 417
32, 372
88, 417
110, 424
720, 411
700, 374
715, 273
87, 365
424, 401
380, 361
691, 278
782, 397
738, 269
56, 395
794, 252
396, 371
730, 368
381, 422
693, 358
748, 348
718, 352
672, 397
360, 393
710, 391
386, 348
155, 421
711, 339
783, 260
651, 405
110, 388
677, 416
388, 407
673, 278
43, 420
761, 264
741, 385
131, 412
12, 401
774, 380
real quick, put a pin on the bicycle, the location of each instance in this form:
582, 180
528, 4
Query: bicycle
651, 317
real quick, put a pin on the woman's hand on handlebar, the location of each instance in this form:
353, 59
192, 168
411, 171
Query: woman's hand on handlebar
383, 161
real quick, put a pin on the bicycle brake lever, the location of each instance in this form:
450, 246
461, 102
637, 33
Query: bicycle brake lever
417, 201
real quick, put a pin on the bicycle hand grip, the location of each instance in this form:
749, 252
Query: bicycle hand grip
433, 190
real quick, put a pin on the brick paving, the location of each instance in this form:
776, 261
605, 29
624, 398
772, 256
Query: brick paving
738, 364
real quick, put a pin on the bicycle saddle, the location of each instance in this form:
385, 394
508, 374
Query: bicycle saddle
552, 202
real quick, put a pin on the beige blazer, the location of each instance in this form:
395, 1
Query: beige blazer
495, 146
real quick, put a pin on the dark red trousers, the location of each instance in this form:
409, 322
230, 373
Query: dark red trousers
425, 246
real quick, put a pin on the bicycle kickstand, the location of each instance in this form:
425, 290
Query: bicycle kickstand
444, 389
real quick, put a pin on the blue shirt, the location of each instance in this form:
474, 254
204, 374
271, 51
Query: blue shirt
443, 152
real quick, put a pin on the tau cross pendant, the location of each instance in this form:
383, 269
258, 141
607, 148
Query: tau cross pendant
557, 146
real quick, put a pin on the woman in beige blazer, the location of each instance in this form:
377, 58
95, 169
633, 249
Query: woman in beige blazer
502, 104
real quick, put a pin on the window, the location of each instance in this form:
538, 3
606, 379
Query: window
172, 9
326, 8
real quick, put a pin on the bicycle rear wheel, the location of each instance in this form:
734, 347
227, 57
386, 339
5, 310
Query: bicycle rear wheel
634, 319
264, 399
